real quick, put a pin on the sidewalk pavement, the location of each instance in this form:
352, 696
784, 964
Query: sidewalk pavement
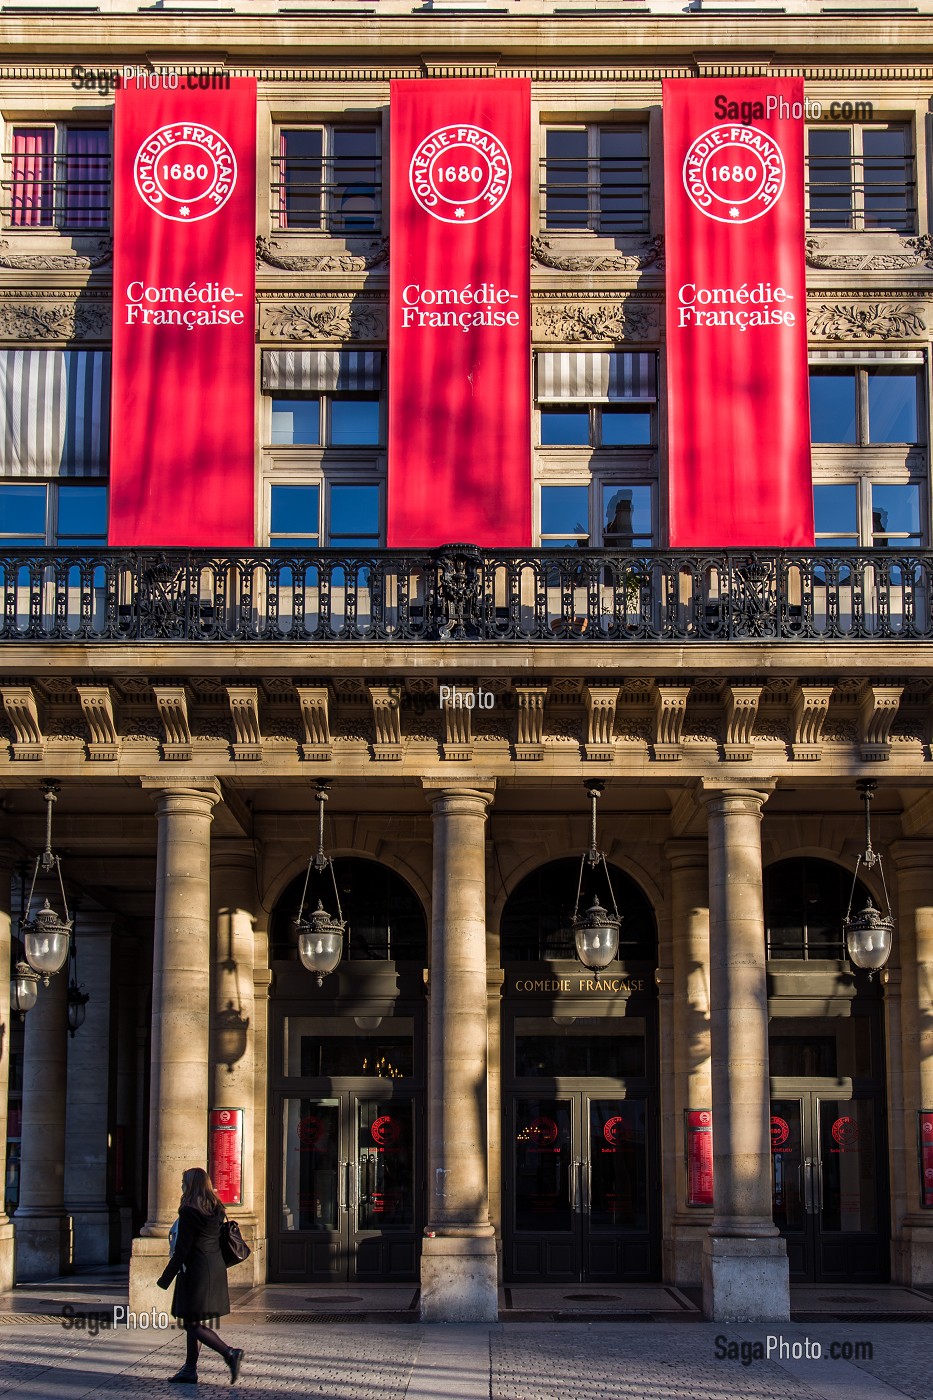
371, 1360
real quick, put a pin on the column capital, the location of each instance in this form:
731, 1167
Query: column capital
735, 797
180, 793
446, 796
913, 854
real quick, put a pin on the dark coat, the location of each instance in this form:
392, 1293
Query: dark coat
198, 1268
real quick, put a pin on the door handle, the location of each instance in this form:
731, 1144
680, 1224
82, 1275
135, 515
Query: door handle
818, 1186
587, 1186
574, 1192
342, 1189
808, 1185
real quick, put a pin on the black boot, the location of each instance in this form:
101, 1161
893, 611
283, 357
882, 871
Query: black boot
234, 1361
188, 1375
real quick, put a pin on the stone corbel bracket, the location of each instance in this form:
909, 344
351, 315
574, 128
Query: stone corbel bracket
387, 718
670, 708
314, 701
458, 730
23, 714
244, 707
601, 701
810, 707
97, 705
741, 713
529, 739
172, 704
878, 705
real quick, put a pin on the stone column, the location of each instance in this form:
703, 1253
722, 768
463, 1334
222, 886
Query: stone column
6, 1026
235, 897
913, 948
87, 1119
128, 1092
745, 1277
458, 1263
43, 1229
180, 1050
690, 1043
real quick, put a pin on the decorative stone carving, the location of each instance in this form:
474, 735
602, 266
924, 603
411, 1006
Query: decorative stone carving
601, 703
458, 735
918, 252
23, 714
810, 707
335, 321
172, 704
670, 709
56, 320
596, 321
878, 705
878, 320
388, 722
57, 262
314, 702
529, 742
650, 254
268, 251
244, 709
741, 712
97, 704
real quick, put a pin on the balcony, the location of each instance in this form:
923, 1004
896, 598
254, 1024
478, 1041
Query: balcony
460, 593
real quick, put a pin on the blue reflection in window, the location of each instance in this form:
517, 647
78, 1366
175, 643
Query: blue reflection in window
836, 513
354, 516
892, 406
82, 515
561, 427
895, 515
22, 514
354, 422
564, 513
627, 517
294, 516
626, 427
296, 422
832, 406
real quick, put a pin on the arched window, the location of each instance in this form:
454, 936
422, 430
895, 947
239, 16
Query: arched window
805, 903
383, 913
536, 919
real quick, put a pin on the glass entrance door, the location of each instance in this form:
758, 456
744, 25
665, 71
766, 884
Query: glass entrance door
579, 1206
348, 1206
827, 1166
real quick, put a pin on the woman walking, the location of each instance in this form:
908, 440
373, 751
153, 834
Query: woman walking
200, 1274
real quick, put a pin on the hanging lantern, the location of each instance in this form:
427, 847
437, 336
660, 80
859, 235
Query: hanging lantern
320, 937
596, 931
24, 989
46, 937
869, 934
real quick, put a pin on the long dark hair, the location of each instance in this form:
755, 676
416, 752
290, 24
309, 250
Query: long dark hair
198, 1192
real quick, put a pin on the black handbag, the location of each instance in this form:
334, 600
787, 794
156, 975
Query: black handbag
233, 1247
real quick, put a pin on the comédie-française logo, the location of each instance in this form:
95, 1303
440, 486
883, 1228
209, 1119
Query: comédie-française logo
734, 174
460, 174
185, 172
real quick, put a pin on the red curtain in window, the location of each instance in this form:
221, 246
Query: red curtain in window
87, 177
32, 195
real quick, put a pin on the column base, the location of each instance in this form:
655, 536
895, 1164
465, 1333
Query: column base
7, 1255
683, 1252
94, 1230
914, 1254
458, 1280
148, 1259
745, 1280
43, 1247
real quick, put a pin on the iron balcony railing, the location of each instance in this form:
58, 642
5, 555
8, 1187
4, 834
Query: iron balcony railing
461, 593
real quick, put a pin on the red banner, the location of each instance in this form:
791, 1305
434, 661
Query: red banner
459, 311
699, 1157
225, 1156
182, 455
926, 1159
738, 421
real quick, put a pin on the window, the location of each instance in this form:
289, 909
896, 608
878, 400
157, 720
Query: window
861, 177
596, 178
627, 516
328, 179
326, 420
59, 177
565, 514
353, 515
41, 513
865, 406
869, 514
597, 426
625, 513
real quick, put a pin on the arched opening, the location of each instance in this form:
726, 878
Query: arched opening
805, 901
536, 920
385, 919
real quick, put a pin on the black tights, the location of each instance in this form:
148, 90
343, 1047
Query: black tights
198, 1333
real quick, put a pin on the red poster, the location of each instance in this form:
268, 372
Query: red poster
459, 312
225, 1165
926, 1160
737, 385
699, 1157
182, 455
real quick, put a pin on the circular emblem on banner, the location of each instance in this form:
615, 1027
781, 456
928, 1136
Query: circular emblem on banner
616, 1131
385, 1131
780, 1132
541, 1131
460, 174
224, 1115
310, 1130
185, 172
928, 1127
845, 1131
734, 174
